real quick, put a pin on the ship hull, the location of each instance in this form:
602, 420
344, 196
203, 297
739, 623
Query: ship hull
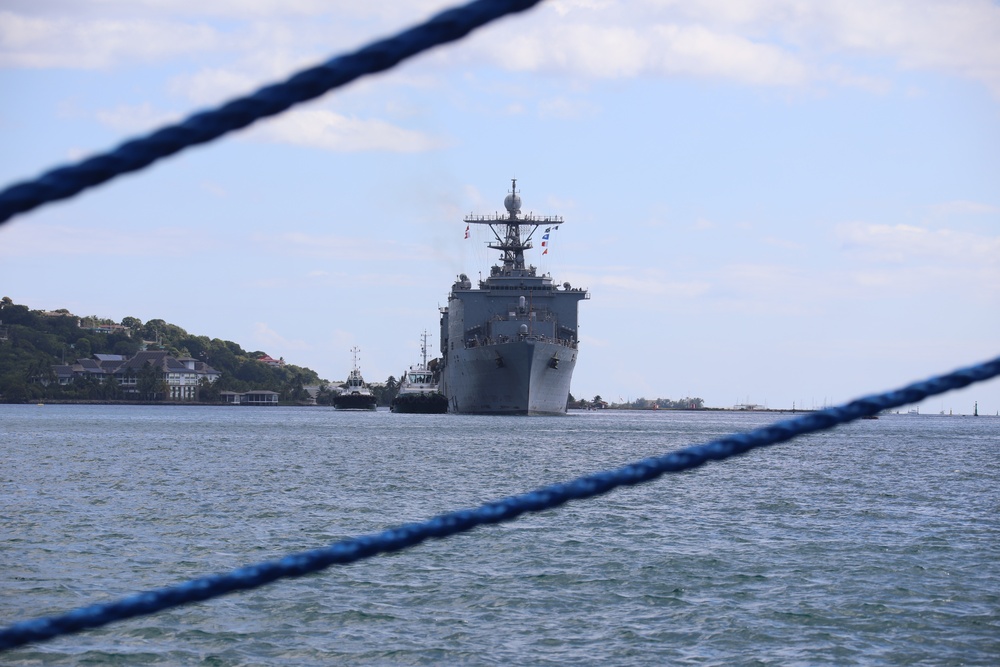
527, 377
423, 404
354, 402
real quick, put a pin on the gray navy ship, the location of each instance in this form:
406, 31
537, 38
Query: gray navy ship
509, 345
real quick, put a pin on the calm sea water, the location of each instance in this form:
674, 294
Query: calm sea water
877, 543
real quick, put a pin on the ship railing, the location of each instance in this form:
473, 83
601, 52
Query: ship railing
486, 341
519, 220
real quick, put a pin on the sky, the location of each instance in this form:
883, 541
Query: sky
789, 203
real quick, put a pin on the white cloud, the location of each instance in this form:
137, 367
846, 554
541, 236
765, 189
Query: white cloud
266, 336
319, 128
651, 285
756, 42
32, 42
214, 85
563, 108
34, 239
963, 207
760, 42
903, 243
696, 50
373, 10
761, 278
604, 50
214, 189
340, 247
139, 118
785, 244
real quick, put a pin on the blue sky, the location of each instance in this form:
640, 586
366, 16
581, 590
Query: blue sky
770, 201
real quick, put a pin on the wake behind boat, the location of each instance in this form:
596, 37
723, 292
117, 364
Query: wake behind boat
418, 388
354, 394
509, 346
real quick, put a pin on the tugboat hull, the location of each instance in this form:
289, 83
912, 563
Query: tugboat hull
420, 404
354, 402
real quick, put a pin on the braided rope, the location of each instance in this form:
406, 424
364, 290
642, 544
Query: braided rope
200, 128
508, 509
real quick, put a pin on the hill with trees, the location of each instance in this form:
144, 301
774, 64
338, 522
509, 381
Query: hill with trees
32, 342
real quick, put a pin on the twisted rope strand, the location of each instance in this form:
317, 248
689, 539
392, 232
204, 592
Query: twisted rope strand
64, 182
507, 509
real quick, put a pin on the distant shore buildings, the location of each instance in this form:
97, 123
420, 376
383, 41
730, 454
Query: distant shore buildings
181, 378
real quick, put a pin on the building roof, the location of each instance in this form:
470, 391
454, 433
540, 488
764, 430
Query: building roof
157, 358
90, 366
104, 364
205, 369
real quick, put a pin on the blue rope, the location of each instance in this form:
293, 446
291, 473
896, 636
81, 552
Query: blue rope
508, 509
65, 182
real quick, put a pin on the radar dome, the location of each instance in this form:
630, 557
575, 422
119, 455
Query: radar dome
512, 203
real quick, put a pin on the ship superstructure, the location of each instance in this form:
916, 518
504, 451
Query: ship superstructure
509, 344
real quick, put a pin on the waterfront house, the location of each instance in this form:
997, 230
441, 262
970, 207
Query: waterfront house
180, 378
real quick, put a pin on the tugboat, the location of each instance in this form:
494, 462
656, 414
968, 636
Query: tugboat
354, 394
509, 346
418, 388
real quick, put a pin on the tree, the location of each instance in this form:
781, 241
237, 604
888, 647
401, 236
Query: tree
111, 390
126, 348
17, 314
389, 391
254, 372
197, 346
132, 322
325, 395
208, 392
221, 357
82, 347
148, 382
16, 393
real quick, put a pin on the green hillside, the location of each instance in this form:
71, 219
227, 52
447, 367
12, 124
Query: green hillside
33, 341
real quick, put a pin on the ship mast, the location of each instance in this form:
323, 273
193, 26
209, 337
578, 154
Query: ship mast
354, 354
509, 241
512, 247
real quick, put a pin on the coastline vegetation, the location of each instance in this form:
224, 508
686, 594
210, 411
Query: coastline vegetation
32, 342
598, 403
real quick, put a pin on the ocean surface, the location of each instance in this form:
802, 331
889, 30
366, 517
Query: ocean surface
877, 543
